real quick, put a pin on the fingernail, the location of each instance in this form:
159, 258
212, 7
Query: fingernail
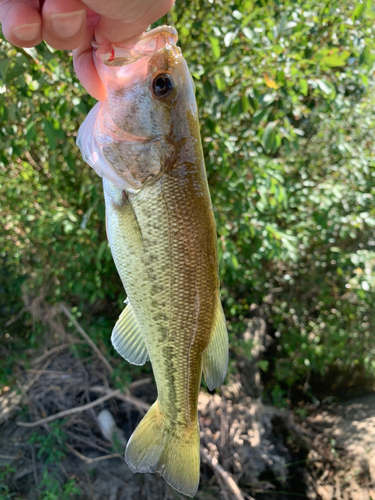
27, 32
67, 24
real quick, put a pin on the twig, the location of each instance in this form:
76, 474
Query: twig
222, 485
138, 383
89, 484
64, 309
31, 160
223, 430
17, 398
16, 317
87, 441
65, 413
287, 419
92, 460
55, 373
138, 403
34, 468
35, 378
50, 352
225, 476
248, 497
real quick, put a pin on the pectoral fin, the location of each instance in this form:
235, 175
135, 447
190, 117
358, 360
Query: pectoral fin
215, 358
127, 338
119, 201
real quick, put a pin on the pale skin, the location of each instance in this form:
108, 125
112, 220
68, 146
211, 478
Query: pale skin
74, 24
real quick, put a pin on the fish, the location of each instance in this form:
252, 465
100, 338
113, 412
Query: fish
144, 141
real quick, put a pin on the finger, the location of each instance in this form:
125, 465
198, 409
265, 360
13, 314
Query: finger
121, 21
64, 23
85, 67
21, 22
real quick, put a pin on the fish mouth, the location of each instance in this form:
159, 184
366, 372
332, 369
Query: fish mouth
168, 33
132, 50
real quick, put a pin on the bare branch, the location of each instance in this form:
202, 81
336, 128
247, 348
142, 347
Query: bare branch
50, 352
225, 476
39, 373
79, 328
92, 460
138, 403
65, 413
138, 383
16, 317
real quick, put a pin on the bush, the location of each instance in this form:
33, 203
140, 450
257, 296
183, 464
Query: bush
284, 91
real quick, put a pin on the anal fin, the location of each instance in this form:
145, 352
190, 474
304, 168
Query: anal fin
215, 357
127, 338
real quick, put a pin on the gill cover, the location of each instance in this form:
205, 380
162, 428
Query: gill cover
125, 138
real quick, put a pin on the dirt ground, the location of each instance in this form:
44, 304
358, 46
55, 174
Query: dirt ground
268, 453
64, 427
239, 441
348, 429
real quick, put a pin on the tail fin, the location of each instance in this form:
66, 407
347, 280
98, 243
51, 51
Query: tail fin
157, 446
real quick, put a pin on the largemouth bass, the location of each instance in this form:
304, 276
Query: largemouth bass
144, 141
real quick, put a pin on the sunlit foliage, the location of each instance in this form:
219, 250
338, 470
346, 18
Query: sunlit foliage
285, 93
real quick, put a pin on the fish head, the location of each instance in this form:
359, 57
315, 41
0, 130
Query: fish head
150, 111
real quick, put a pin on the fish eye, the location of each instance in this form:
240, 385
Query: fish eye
162, 85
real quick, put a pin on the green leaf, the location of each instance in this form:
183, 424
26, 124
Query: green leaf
358, 11
102, 247
220, 83
299, 132
269, 137
215, 44
50, 133
30, 131
248, 33
367, 57
234, 261
249, 17
16, 69
304, 87
229, 37
324, 87
4, 65
335, 60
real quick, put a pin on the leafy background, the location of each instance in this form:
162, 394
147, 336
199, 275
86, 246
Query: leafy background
285, 91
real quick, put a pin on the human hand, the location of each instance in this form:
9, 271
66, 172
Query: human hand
73, 24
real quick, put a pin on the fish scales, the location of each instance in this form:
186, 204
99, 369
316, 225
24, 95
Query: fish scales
145, 143
174, 225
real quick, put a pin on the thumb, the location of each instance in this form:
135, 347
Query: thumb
120, 21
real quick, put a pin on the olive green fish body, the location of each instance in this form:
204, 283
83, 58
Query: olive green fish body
144, 141
170, 274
